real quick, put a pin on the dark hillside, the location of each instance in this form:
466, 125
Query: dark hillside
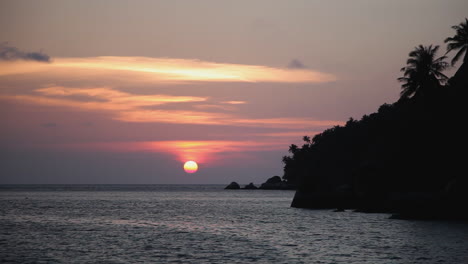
408, 158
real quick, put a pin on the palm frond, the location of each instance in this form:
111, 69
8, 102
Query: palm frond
459, 41
458, 55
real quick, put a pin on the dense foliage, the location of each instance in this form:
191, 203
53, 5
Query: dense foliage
413, 146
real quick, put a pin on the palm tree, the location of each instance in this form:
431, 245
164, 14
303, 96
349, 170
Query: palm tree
293, 148
423, 72
459, 42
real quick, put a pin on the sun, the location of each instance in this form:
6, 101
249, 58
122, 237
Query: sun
190, 166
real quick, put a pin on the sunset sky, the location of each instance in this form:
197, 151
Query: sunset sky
127, 91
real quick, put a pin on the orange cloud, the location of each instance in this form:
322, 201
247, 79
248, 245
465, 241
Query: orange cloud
127, 108
234, 102
205, 118
215, 106
166, 69
109, 99
174, 117
144, 108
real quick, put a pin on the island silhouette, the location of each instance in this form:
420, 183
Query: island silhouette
408, 158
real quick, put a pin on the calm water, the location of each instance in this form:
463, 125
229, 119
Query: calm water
206, 224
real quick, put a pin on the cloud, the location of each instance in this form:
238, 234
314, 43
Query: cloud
234, 102
296, 64
142, 92
166, 70
119, 99
10, 53
130, 108
208, 118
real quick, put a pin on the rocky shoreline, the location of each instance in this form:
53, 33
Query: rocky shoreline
448, 204
273, 183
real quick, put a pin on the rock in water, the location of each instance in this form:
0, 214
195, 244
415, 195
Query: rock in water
233, 186
251, 186
275, 183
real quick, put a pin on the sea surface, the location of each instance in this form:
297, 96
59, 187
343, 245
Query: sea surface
206, 224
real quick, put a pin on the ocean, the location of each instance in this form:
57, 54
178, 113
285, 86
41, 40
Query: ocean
206, 224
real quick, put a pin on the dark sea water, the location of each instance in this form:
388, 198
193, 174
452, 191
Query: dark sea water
206, 224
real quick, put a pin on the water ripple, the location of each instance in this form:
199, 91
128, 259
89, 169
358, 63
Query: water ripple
208, 225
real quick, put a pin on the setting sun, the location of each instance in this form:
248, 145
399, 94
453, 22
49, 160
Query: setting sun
190, 166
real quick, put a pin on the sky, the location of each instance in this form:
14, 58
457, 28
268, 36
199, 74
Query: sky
124, 92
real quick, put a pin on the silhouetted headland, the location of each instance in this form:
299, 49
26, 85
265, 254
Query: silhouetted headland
407, 159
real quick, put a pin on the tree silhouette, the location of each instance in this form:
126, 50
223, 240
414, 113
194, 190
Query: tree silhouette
459, 42
293, 148
423, 73
395, 160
